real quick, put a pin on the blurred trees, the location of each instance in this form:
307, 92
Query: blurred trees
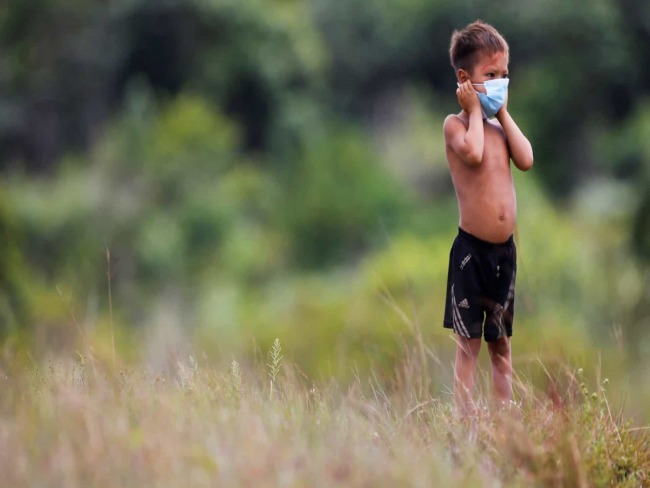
576, 68
242, 133
67, 66
13, 273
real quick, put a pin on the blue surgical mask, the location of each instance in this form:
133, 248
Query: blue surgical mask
495, 96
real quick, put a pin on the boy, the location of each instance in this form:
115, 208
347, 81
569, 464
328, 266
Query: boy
482, 263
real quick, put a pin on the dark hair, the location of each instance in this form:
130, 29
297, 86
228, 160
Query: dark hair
475, 38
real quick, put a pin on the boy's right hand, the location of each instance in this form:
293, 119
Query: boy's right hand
467, 97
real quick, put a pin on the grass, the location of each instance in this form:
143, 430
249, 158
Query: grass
83, 422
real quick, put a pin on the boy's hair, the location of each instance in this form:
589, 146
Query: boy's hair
475, 38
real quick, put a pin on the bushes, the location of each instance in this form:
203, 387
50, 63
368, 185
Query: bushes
340, 199
171, 194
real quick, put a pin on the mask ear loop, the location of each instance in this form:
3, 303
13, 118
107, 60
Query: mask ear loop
473, 84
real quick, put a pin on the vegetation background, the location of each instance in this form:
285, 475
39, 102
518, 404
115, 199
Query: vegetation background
203, 176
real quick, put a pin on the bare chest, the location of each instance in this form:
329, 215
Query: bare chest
495, 149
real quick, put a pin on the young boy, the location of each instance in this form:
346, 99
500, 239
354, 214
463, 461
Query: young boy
480, 142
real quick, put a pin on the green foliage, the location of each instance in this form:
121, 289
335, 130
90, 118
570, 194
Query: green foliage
614, 453
274, 65
14, 274
146, 194
277, 168
340, 199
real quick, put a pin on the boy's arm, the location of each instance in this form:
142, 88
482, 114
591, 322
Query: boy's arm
521, 151
466, 142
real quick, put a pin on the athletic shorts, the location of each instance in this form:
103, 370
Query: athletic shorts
481, 287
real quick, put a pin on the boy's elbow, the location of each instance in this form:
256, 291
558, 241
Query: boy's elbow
473, 158
474, 162
525, 161
530, 164
525, 165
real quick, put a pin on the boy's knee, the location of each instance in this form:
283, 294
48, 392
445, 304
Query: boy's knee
468, 348
500, 350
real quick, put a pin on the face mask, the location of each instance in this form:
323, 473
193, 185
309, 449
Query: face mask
495, 96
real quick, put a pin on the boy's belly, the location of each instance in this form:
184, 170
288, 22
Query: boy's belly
492, 223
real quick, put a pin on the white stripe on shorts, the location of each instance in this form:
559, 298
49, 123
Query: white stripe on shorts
511, 293
459, 326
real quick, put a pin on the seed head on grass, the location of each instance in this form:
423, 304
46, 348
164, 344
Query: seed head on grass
275, 359
187, 374
234, 383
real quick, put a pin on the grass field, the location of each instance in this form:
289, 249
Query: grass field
80, 421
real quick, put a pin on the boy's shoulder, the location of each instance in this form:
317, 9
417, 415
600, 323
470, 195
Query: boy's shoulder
455, 117
454, 123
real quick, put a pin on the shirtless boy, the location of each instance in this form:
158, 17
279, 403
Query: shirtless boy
480, 142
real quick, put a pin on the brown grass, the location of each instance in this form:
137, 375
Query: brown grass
83, 423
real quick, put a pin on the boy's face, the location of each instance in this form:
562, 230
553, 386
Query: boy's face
487, 67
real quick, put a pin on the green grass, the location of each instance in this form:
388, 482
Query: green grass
83, 422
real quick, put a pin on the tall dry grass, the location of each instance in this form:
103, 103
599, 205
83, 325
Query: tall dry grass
85, 423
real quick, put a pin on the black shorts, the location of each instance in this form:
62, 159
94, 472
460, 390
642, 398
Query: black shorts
481, 287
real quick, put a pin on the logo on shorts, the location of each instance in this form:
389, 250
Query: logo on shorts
465, 261
463, 303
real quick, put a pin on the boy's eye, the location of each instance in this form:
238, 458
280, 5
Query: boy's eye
506, 75
491, 75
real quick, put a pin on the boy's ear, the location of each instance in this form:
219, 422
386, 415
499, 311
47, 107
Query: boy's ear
463, 76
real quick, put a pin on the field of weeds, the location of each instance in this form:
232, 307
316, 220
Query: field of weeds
85, 422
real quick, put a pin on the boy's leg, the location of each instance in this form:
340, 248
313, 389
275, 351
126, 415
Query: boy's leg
466, 355
501, 358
